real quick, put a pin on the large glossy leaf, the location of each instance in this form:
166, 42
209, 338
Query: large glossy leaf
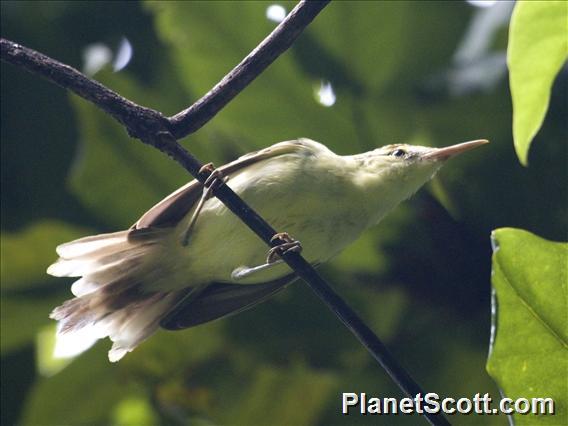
529, 352
26, 254
538, 47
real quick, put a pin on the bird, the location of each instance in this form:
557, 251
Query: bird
189, 260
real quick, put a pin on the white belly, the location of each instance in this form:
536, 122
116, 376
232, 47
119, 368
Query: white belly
291, 201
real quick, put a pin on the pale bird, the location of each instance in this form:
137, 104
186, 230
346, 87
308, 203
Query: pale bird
189, 260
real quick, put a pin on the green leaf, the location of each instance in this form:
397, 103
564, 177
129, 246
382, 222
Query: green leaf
381, 48
375, 62
362, 256
529, 352
276, 394
85, 392
134, 411
116, 176
26, 254
155, 357
20, 319
278, 105
538, 47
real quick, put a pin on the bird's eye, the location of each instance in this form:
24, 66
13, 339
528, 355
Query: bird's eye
398, 153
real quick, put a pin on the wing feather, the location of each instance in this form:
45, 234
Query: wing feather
219, 300
175, 206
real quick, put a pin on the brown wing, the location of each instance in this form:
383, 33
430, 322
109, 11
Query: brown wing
219, 300
175, 206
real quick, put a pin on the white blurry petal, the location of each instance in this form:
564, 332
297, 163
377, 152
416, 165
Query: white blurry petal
95, 57
482, 3
123, 55
325, 94
481, 31
275, 13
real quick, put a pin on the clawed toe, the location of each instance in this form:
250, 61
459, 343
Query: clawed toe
288, 245
214, 180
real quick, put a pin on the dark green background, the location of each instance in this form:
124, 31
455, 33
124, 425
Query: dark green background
421, 279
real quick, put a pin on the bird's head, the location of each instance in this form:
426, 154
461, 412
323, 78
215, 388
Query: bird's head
398, 171
410, 154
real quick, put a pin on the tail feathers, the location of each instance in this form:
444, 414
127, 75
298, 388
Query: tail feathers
126, 327
93, 244
112, 299
100, 253
83, 286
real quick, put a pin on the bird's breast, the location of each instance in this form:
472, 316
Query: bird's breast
294, 195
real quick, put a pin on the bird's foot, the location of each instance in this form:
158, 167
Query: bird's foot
214, 179
287, 245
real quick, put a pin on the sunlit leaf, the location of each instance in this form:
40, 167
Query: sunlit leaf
47, 364
26, 254
134, 411
538, 47
529, 352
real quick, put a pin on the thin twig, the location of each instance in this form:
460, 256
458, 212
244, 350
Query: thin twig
154, 129
194, 117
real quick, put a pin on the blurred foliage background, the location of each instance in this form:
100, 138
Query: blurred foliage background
361, 76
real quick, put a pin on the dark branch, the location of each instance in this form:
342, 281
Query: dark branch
154, 129
137, 119
141, 121
194, 117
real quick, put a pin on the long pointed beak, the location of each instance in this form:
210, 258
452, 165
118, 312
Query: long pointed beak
450, 151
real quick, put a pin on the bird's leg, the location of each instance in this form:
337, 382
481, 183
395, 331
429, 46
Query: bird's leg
287, 245
212, 182
244, 271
